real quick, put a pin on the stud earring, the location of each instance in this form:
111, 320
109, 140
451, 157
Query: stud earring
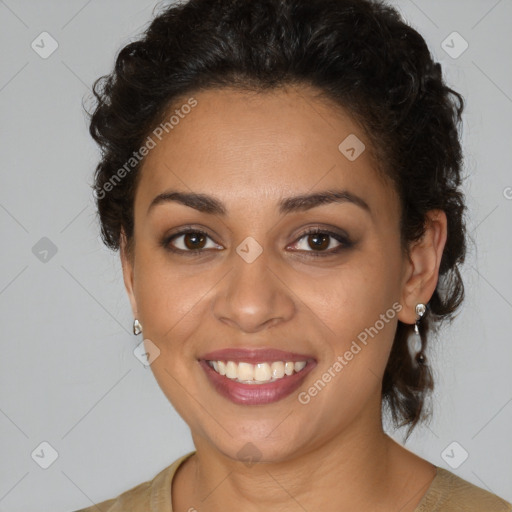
137, 327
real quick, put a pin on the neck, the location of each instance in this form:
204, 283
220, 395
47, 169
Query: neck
361, 468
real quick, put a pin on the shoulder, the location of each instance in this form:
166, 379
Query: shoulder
143, 496
449, 492
135, 499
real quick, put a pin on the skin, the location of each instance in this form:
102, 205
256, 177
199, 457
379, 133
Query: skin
249, 151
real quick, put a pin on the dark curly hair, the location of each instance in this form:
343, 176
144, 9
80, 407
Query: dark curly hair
359, 54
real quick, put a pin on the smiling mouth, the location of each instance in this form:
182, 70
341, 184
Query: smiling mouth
256, 376
256, 384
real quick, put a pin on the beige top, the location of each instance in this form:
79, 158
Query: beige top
447, 493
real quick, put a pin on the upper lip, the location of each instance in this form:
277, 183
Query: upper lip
254, 355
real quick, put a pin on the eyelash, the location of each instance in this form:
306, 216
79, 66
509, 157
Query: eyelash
343, 240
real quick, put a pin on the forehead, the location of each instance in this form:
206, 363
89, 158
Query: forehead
240, 145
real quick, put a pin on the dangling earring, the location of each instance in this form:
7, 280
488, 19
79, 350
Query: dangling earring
416, 349
420, 311
137, 327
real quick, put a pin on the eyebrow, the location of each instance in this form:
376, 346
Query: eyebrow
211, 205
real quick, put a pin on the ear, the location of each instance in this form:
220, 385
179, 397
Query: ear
422, 269
127, 263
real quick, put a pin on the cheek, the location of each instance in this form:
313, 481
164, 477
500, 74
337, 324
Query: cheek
356, 309
353, 297
353, 310
172, 302
173, 307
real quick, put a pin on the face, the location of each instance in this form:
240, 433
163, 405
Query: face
268, 279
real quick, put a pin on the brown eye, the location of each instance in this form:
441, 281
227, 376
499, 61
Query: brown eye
190, 241
319, 241
194, 240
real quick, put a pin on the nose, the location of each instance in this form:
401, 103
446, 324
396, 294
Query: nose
253, 296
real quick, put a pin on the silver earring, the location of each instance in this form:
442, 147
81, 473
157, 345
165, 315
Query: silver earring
137, 327
416, 345
420, 311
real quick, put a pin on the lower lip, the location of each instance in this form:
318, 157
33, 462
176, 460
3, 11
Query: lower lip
256, 394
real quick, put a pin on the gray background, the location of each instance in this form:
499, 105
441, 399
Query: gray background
67, 370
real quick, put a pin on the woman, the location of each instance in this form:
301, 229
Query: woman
282, 179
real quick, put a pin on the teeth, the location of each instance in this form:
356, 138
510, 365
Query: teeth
257, 373
231, 370
222, 367
262, 372
288, 368
299, 365
245, 371
277, 369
